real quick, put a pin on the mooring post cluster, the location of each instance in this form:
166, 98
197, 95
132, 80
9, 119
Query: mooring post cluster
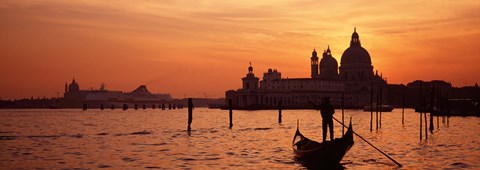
136, 106
424, 108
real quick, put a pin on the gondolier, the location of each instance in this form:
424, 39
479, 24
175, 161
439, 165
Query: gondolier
327, 111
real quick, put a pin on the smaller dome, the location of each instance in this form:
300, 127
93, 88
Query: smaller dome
328, 66
314, 53
73, 87
328, 62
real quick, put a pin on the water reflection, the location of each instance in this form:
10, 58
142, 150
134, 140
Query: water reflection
133, 139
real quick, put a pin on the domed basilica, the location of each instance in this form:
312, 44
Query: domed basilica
354, 79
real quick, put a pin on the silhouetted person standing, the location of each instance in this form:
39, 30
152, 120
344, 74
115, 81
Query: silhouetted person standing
327, 111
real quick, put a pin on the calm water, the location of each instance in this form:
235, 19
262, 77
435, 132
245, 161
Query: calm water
135, 139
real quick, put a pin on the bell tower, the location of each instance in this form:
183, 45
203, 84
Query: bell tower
250, 82
314, 64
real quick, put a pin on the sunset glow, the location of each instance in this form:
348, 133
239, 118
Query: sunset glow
203, 48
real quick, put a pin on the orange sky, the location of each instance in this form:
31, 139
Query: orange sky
192, 48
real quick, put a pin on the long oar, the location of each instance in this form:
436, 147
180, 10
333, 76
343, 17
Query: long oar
318, 108
370, 144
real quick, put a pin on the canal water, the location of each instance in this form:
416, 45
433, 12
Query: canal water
156, 139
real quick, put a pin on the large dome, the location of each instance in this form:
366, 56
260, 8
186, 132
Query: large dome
355, 55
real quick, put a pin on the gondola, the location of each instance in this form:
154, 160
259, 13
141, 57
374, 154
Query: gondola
329, 153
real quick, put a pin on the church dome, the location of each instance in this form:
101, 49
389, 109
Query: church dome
355, 54
328, 61
73, 87
328, 66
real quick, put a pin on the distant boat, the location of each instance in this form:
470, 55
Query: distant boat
55, 107
383, 108
325, 154
453, 107
216, 106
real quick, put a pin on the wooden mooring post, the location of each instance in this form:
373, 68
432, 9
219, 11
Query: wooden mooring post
190, 112
230, 112
426, 130
376, 109
380, 106
432, 101
343, 114
84, 106
420, 107
279, 111
371, 107
420, 126
403, 109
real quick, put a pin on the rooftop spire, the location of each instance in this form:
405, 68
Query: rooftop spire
250, 69
355, 38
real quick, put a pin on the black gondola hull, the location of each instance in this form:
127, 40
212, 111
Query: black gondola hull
328, 153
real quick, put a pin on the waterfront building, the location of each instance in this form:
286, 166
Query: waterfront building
354, 79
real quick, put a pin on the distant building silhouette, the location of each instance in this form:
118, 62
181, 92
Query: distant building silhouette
446, 99
74, 97
355, 79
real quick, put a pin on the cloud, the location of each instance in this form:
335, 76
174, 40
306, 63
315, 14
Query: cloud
148, 40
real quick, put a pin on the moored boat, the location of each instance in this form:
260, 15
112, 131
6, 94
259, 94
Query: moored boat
383, 108
325, 154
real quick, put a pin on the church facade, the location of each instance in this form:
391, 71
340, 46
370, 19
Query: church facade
354, 79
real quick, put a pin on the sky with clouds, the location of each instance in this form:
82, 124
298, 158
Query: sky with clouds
193, 48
